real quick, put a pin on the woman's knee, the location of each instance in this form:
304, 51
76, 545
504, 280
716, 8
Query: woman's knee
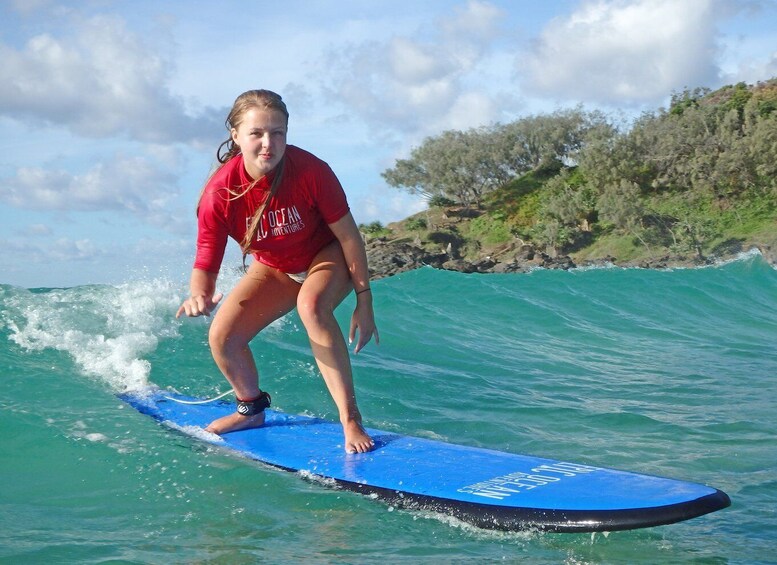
222, 339
313, 309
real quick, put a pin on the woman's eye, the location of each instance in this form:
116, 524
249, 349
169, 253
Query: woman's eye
279, 134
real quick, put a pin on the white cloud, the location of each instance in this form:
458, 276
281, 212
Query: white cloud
74, 250
412, 63
625, 52
471, 109
98, 79
387, 204
61, 249
128, 184
474, 22
38, 230
27, 7
753, 70
415, 85
749, 50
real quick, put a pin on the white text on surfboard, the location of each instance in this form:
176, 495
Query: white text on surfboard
515, 483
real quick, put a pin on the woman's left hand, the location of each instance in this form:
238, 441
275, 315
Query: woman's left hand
363, 319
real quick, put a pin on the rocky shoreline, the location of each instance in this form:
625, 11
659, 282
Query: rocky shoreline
388, 258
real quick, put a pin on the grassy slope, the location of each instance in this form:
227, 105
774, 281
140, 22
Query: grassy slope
508, 214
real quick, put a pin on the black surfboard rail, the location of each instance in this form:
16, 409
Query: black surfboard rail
492, 517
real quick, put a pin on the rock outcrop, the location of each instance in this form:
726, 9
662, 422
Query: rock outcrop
388, 258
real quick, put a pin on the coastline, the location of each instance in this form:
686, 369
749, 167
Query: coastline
387, 258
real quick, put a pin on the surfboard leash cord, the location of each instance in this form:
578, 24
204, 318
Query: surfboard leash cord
206, 401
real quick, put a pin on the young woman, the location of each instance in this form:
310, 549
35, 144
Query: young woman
286, 208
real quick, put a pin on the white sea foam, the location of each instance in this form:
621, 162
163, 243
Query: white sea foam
106, 330
196, 432
743, 256
318, 479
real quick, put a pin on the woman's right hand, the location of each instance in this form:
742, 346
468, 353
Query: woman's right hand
203, 299
199, 305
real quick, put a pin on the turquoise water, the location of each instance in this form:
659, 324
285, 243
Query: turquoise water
671, 373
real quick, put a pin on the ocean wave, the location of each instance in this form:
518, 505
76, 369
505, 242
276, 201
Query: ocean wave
107, 330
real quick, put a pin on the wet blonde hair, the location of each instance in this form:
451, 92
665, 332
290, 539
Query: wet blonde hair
263, 100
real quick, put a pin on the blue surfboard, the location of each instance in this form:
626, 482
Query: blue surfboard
489, 489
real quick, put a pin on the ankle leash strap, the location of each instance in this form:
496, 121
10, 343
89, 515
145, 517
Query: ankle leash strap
255, 406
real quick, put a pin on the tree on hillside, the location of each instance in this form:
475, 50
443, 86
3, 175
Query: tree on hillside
548, 141
462, 166
620, 204
566, 212
759, 125
715, 144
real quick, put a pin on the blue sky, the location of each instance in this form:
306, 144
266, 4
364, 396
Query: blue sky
111, 111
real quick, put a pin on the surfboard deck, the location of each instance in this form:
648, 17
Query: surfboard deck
489, 489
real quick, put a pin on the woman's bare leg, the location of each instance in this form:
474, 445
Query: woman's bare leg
262, 296
327, 284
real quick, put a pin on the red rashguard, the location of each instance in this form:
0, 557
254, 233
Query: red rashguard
294, 226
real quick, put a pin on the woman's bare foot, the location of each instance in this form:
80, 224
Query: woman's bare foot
235, 422
356, 439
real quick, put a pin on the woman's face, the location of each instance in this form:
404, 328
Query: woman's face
261, 136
